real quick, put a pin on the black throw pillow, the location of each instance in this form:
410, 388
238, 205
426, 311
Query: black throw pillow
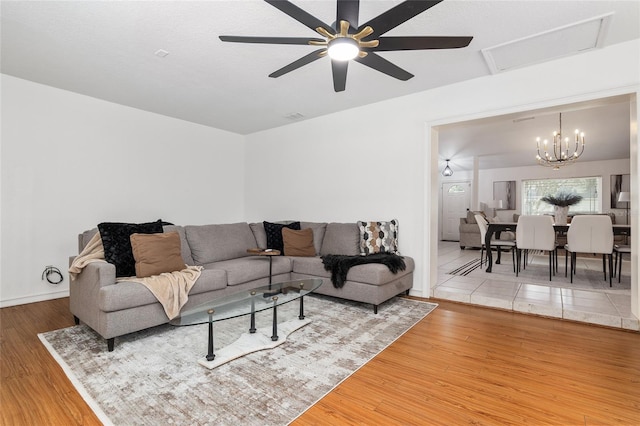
117, 243
274, 234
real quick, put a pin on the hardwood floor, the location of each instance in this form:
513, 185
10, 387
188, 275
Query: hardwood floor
33, 388
470, 365
461, 365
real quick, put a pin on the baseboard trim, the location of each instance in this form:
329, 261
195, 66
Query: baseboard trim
33, 299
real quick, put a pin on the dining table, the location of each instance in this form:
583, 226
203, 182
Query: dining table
496, 228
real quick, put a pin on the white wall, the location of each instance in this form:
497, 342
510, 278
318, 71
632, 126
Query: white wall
70, 162
341, 168
379, 161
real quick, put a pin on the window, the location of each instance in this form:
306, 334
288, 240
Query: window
456, 189
589, 187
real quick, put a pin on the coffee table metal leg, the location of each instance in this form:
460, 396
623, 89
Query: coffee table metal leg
252, 328
210, 354
301, 316
274, 336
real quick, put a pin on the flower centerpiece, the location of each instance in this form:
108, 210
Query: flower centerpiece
561, 203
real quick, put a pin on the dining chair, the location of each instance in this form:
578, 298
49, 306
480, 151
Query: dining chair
590, 234
536, 233
482, 223
619, 250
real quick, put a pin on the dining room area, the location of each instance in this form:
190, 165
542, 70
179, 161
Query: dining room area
588, 299
537, 222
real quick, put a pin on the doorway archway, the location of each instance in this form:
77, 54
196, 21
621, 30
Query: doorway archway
433, 180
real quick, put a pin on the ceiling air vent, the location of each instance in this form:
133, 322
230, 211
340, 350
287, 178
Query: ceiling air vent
161, 53
293, 116
546, 46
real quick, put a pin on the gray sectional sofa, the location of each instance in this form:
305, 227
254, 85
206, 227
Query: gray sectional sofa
114, 309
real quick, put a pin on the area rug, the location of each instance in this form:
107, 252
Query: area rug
466, 269
153, 377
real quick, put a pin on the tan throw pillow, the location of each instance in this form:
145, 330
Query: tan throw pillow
298, 243
156, 253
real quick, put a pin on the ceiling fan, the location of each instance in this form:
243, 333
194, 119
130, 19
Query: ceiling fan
346, 40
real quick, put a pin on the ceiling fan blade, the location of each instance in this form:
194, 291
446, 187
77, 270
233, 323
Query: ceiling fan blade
397, 15
339, 69
299, 14
271, 40
307, 59
348, 10
378, 63
421, 43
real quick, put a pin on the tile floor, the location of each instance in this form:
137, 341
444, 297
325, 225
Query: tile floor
588, 299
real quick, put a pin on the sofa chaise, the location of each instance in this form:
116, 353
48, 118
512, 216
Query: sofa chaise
114, 309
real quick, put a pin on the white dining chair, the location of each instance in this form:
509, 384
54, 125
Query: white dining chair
536, 233
590, 234
482, 223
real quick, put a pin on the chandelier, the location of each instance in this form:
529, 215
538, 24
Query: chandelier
560, 154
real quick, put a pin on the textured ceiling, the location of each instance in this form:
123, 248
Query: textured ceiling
105, 49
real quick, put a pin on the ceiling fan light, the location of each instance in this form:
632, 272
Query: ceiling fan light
343, 49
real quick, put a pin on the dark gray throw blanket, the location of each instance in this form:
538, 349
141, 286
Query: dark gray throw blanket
339, 264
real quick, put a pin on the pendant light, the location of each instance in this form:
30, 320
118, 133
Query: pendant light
447, 170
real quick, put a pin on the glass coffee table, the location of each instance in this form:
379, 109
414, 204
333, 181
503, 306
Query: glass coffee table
248, 302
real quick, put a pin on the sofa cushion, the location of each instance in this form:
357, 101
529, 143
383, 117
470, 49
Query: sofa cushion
156, 253
298, 243
129, 294
378, 274
341, 238
259, 234
372, 273
274, 233
378, 236
209, 280
117, 244
240, 271
310, 266
319, 229
185, 251
214, 243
